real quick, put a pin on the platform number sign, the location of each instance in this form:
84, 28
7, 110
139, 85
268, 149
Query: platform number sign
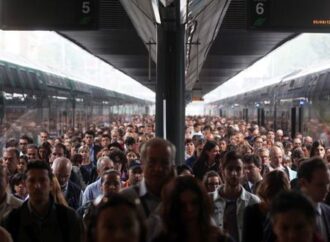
258, 13
49, 14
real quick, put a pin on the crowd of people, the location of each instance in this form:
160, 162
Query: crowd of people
238, 183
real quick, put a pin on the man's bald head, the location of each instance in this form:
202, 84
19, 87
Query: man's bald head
62, 168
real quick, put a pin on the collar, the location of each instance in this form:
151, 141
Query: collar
318, 209
243, 196
142, 188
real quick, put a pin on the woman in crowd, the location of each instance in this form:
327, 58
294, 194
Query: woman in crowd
212, 181
318, 149
116, 219
256, 225
208, 160
87, 168
186, 213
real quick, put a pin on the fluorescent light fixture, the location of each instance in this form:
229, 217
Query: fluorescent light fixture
155, 8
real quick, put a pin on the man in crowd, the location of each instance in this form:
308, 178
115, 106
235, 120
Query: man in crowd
93, 190
252, 171
314, 181
8, 202
231, 198
10, 160
157, 159
39, 218
62, 169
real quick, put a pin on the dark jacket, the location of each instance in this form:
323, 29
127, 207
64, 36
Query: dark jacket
73, 195
60, 225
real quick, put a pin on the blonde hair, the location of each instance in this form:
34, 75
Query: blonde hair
57, 192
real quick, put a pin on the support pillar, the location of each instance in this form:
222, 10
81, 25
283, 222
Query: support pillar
170, 86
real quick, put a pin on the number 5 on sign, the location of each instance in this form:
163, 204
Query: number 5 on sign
86, 7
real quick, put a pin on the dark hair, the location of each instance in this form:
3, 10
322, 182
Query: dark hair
109, 173
293, 201
171, 206
273, 183
129, 141
27, 138
252, 159
89, 132
316, 144
39, 165
48, 148
181, 168
76, 159
32, 146
25, 158
15, 180
115, 144
209, 145
113, 201
308, 167
229, 157
12, 142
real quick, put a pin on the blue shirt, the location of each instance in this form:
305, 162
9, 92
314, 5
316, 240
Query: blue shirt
92, 191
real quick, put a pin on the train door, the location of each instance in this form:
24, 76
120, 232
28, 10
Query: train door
246, 115
296, 120
261, 117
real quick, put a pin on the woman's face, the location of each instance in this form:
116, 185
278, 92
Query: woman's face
213, 152
320, 151
117, 224
292, 226
189, 206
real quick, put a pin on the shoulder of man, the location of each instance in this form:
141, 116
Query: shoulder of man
14, 202
131, 192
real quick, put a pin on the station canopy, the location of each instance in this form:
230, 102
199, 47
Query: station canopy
304, 53
50, 52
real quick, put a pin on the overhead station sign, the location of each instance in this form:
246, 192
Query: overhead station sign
289, 15
48, 14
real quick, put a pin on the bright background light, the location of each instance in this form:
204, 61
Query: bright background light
51, 52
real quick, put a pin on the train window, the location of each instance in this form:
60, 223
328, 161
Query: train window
33, 79
13, 77
3, 75
24, 79
292, 83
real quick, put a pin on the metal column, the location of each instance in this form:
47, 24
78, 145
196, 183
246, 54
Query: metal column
170, 87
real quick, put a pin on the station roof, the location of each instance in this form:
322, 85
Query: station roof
234, 49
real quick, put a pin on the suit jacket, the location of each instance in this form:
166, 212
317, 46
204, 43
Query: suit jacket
73, 195
325, 213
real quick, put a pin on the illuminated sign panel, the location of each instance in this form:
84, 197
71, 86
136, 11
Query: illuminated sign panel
289, 15
48, 14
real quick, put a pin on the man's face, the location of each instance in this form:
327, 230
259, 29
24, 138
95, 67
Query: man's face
135, 175
318, 187
105, 141
10, 161
62, 174
38, 185
56, 153
252, 172
105, 165
88, 139
233, 173
32, 153
296, 143
258, 143
23, 145
222, 146
157, 166
277, 157
43, 137
111, 184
